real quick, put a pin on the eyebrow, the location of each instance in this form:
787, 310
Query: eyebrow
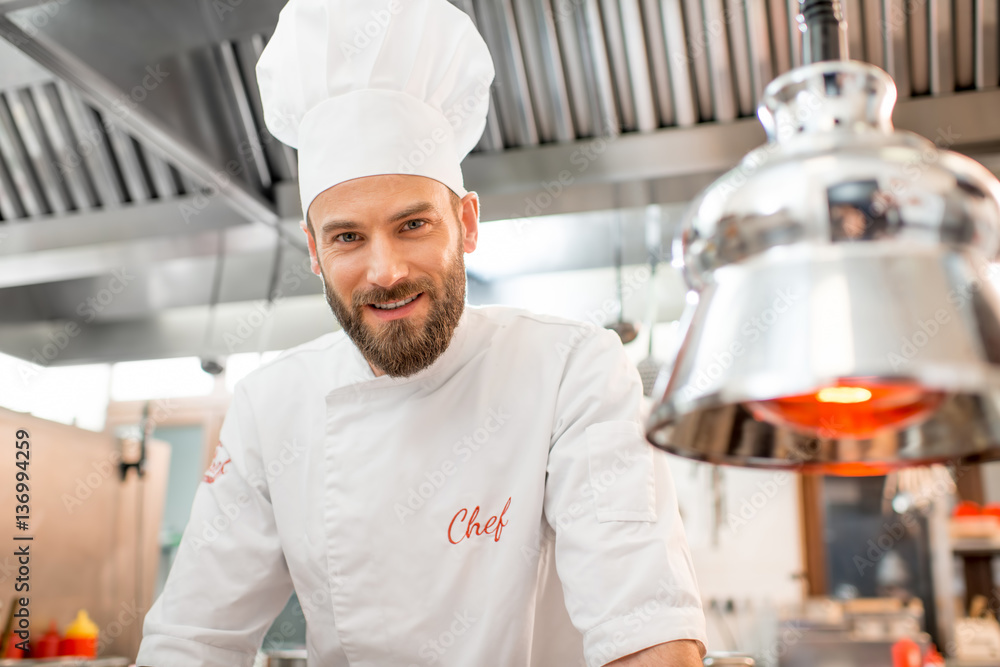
341, 225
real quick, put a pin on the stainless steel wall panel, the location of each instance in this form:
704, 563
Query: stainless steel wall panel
636, 52
965, 75
614, 41
553, 62
759, 38
854, 15
548, 89
781, 45
71, 169
11, 207
681, 81
573, 57
492, 139
874, 42
986, 40
736, 26
128, 160
249, 148
897, 59
29, 125
90, 148
697, 53
18, 161
942, 59
163, 182
723, 95
656, 47
96, 47
794, 33
281, 158
590, 28
919, 48
517, 117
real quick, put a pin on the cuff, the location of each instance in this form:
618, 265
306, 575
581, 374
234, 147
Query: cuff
640, 629
167, 651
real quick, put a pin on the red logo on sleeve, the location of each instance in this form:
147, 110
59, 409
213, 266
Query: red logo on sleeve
464, 524
218, 465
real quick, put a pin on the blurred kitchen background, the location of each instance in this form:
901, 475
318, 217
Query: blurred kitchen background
149, 231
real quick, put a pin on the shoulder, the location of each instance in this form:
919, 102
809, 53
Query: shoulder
301, 366
522, 320
513, 330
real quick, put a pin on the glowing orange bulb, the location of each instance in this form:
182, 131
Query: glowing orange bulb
843, 395
855, 408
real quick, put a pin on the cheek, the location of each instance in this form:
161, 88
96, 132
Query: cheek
341, 275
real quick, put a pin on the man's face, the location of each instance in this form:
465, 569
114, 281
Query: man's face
391, 250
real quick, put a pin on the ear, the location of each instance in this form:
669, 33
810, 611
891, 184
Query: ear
470, 221
313, 260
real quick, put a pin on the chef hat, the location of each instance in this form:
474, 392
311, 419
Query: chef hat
363, 88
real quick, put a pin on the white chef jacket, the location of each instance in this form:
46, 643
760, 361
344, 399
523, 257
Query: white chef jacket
417, 518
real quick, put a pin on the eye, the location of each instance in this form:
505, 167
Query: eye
346, 237
414, 224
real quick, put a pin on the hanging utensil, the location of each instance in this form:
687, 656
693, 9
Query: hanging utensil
209, 363
649, 368
627, 331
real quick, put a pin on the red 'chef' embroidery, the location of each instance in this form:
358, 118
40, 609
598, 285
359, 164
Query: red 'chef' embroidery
218, 465
493, 526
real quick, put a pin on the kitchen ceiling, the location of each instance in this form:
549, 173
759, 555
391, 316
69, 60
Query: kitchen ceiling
131, 137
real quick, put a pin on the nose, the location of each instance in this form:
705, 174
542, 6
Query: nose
386, 263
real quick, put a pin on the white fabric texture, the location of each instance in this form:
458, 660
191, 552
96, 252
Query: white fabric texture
418, 519
363, 88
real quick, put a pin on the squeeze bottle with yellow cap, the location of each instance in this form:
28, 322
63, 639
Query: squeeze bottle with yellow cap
80, 638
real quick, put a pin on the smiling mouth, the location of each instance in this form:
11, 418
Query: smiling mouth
395, 304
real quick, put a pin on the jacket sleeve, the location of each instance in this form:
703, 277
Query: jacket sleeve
620, 548
229, 579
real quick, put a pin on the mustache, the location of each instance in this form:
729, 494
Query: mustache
394, 293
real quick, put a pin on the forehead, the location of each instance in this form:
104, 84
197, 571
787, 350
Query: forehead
374, 198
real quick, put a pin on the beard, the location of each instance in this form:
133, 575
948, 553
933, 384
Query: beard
400, 347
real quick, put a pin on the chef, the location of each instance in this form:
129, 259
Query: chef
439, 484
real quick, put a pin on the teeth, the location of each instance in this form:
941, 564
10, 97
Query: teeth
395, 305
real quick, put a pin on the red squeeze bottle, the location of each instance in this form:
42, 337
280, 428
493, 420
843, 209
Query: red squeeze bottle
48, 645
906, 653
933, 659
81, 637
12, 651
